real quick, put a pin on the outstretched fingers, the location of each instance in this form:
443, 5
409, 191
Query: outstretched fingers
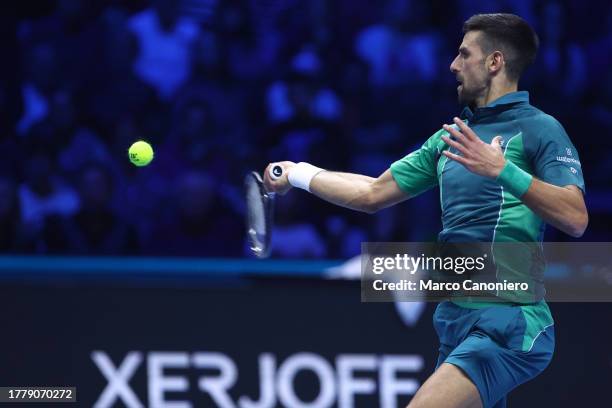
456, 145
457, 158
466, 130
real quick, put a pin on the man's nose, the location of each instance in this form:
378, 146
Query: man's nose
453, 66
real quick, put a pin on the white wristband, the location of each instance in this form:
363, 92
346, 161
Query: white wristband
301, 175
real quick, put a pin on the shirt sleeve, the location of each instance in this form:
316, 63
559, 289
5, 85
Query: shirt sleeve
554, 158
417, 172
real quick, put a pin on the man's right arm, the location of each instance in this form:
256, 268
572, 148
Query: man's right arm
353, 191
356, 191
407, 177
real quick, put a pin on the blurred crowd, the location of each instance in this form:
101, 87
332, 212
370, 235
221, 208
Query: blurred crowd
219, 87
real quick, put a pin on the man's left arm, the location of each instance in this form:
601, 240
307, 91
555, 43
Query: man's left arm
561, 207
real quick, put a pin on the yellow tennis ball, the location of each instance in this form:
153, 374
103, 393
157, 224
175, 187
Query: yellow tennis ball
141, 153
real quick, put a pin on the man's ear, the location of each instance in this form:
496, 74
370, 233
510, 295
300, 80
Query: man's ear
495, 62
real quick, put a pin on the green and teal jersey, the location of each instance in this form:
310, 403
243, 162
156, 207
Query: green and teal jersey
476, 208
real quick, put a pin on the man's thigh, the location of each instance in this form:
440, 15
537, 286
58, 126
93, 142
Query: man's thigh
448, 387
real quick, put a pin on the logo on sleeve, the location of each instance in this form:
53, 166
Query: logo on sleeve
568, 157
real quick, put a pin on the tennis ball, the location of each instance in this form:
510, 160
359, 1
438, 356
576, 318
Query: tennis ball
140, 153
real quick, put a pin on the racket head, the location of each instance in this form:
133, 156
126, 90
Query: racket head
259, 210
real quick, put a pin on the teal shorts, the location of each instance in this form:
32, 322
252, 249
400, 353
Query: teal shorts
497, 346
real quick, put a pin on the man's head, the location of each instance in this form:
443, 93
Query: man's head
495, 48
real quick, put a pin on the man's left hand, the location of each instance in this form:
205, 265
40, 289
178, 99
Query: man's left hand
478, 157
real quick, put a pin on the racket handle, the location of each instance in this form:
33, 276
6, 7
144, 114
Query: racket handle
276, 172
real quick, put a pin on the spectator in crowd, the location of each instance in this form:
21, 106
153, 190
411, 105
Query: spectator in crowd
96, 229
165, 40
561, 61
45, 194
293, 235
391, 47
40, 82
119, 91
197, 222
304, 113
343, 237
249, 56
15, 237
303, 96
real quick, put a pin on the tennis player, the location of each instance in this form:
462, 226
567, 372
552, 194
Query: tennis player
504, 169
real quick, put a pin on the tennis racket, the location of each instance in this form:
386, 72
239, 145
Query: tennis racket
260, 211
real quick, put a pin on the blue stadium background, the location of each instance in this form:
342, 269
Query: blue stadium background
122, 256
220, 87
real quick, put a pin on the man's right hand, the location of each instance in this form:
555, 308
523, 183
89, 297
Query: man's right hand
280, 185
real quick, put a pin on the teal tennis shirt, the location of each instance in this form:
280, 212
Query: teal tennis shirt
475, 208
478, 209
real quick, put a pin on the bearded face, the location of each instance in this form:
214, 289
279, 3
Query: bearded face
470, 71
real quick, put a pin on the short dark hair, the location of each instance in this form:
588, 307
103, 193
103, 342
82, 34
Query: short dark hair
509, 34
